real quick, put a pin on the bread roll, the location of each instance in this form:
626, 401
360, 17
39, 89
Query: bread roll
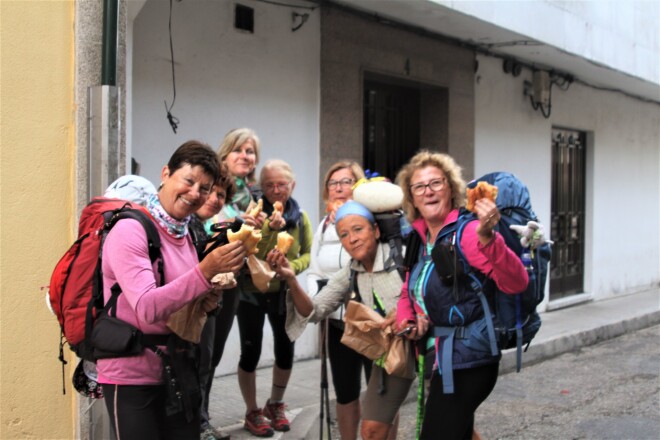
483, 190
333, 206
248, 236
284, 242
257, 209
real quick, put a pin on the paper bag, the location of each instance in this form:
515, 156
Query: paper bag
399, 360
189, 321
362, 331
260, 272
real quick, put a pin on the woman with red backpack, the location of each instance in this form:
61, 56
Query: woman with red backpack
140, 402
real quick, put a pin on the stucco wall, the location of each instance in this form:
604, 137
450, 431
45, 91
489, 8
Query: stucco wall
623, 164
621, 35
36, 212
352, 45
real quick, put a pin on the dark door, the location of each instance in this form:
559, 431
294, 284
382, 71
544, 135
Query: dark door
391, 126
568, 201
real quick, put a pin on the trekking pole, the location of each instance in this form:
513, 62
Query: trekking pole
325, 398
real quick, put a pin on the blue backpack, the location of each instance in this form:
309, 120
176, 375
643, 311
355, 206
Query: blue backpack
511, 320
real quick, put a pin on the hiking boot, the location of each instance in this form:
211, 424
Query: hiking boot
275, 412
256, 423
212, 433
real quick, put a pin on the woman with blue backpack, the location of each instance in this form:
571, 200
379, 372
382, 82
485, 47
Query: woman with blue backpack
439, 303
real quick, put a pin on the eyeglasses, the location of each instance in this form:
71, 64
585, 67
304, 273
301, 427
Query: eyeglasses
332, 184
420, 188
278, 186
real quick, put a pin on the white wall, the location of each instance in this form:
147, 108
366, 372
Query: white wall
619, 34
623, 163
225, 79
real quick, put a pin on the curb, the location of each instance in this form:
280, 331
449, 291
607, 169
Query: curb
556, 346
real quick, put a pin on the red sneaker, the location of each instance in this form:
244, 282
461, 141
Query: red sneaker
257, 424
275, 412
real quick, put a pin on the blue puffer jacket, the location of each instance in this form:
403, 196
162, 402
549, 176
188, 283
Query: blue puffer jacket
454, 307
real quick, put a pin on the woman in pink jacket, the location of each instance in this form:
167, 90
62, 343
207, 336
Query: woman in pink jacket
134, 389
433, 193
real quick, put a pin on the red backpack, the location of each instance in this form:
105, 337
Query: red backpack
76, 285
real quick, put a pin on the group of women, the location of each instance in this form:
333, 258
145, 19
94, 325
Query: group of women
347, 261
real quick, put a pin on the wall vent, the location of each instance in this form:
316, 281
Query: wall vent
244, 18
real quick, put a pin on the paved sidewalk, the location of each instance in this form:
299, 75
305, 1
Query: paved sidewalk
562, 331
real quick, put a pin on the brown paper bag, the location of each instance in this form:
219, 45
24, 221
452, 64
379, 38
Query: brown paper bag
261, 274
400, 360
362, 331
189, 321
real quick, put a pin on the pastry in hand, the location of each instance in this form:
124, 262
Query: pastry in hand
277, 206
333, 206
256, 210
248, 236
483, 190
284, 242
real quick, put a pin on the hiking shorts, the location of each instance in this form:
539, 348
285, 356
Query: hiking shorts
384, 407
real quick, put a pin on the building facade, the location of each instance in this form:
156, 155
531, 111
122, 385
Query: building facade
566, 95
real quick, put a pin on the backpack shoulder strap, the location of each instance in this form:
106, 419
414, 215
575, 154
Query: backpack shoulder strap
153, 239
413, 245
354, 285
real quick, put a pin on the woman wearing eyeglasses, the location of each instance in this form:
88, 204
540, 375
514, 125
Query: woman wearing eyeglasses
328, 257
277, 183
433, 193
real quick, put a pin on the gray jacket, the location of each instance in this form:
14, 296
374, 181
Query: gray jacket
384, 281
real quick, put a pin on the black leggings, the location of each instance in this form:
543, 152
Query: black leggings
451, 416
346, 365
212, 345
251, 319
137, 412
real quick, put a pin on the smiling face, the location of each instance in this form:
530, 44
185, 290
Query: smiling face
242, 160
184, 191
214, 203
432, 205
360, 239
340, 185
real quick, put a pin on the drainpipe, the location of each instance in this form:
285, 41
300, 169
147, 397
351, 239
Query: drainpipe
104, 105
103, 155
109, 67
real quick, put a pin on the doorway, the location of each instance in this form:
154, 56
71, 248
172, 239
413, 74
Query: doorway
568, 217
391, 126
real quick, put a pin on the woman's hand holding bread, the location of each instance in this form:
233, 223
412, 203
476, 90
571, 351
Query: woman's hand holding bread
227, 258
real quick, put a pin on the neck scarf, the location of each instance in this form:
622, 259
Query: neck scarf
242, 196
175, 228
